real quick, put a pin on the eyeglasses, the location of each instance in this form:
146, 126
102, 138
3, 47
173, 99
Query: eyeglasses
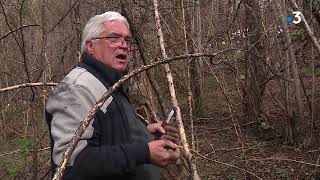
116, 41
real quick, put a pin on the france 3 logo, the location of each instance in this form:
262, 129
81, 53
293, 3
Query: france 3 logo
296, 19
294, 27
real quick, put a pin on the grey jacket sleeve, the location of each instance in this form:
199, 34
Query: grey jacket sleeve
68, 106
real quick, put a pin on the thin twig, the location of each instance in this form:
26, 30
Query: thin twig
282, 159
306, 25
183, 138
150, 77
17, 29
64, 16
233, 115
10, 88
24, 52
22, 150
223, 163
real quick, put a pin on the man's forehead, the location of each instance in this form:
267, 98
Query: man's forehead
116, 27
116, 23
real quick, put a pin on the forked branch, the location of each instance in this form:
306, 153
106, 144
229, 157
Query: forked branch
84, 124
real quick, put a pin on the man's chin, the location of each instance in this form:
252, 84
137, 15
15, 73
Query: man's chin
120, 68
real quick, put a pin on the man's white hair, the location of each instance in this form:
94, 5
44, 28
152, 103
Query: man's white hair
96, 25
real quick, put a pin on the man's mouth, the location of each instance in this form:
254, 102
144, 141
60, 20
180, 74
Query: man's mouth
121, 57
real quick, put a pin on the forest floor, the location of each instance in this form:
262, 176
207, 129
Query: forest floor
254, 152
251, 153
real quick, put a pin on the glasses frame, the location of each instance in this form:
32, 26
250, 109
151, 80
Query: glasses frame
117, 40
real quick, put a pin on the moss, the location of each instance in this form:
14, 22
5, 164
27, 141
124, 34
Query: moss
306, 71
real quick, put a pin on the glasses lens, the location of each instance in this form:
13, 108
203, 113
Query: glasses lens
117, 40
114, 40
128, 40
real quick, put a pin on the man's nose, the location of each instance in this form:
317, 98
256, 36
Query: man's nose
125, 44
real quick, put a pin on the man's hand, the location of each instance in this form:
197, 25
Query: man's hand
164, 132
163, 152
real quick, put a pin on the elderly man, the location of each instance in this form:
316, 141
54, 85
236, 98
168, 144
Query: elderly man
116, 145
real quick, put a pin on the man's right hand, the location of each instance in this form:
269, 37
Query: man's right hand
163, 152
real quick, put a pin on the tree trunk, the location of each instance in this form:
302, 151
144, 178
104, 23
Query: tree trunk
196, 71
144, 91
296, 124
194, 173
315, 9
190, 93
256, 57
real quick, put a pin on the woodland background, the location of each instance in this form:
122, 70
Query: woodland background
251, 111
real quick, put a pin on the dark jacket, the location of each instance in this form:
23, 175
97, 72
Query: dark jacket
114, 146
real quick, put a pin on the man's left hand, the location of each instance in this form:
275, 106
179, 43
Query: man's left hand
164, 132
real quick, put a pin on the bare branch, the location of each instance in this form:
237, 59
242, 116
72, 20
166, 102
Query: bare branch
64, 16
17, 29
283, 159
23, 50
223, 163
306, 24
26, 85
194, 173
84, 124
23, 150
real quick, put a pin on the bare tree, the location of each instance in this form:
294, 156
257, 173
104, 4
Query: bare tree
175, 103
256, 62
196, 67
296, 122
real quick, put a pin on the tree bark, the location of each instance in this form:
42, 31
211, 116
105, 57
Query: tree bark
255, 65
151, 105
296, 124
175, 103
196, 72
307, 27
190, 93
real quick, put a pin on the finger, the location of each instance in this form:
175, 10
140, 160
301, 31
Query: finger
155, 127
169, 144
174, 154
159, 128
170, 138
169, 128
150, 128
175, 135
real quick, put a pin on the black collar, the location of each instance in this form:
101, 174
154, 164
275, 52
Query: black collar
106, 74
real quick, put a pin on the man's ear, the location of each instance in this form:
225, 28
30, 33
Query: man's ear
89, 47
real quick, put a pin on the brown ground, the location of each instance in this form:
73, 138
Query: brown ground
259, 153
